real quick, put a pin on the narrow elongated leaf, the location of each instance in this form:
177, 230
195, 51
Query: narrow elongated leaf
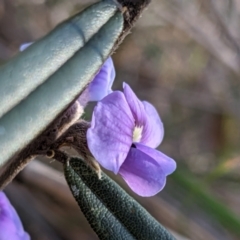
109, 209
28, 70
44, 104
40, 84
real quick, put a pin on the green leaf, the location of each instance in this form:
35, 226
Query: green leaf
111, 212
36, 109
31, 68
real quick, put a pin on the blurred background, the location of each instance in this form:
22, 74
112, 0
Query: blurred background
183, 57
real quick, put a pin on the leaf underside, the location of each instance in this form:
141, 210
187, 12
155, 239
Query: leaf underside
111, 212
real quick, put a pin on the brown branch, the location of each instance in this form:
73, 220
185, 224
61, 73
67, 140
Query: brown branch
39, 146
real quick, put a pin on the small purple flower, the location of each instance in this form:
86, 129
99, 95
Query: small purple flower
10, 225
100, 86
25, 46
102, 83
123, 134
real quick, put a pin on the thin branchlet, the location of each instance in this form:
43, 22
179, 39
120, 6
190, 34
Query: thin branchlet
41, 145
75, 137
131, 10
58, 155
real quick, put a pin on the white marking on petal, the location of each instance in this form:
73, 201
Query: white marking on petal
137, 133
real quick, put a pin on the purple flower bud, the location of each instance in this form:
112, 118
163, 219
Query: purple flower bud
123, 134
101, 85
25, 46
10, 225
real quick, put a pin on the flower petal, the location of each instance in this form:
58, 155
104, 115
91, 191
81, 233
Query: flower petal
10, 224
143, 174
167, 164
110, 135
102, 83
135, 105
153, 130
24, 46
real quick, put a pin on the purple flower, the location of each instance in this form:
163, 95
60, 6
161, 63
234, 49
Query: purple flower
10, 224
25, 46
100, 86
123, 134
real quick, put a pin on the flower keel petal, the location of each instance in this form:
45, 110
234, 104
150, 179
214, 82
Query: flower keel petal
168, 165
142, 173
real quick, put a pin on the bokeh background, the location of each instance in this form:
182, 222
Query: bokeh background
184, 57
